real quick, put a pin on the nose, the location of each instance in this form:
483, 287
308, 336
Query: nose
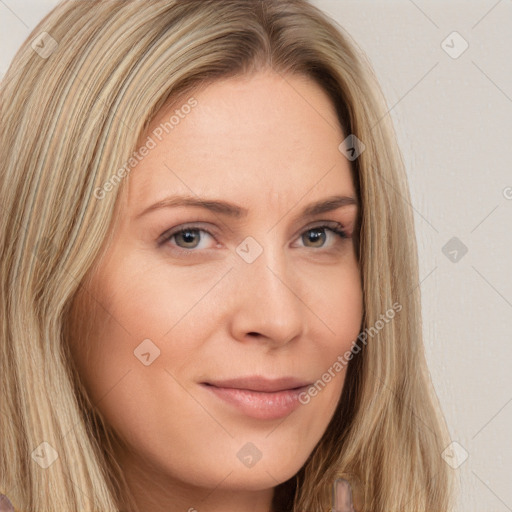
265, 302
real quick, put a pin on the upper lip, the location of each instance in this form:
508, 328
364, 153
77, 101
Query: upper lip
259, 383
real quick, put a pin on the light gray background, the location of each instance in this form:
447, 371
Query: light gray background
453, 118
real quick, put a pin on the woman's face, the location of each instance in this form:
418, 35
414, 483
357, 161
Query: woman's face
226, 286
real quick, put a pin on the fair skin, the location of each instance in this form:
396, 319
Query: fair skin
255, 142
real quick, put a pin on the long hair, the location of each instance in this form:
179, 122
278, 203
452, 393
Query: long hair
78, 96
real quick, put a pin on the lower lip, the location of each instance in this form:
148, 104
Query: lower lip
258, 404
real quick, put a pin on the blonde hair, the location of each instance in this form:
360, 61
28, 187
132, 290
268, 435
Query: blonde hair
74, 115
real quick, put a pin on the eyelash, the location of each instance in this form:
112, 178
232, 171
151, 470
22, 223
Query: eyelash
334, 227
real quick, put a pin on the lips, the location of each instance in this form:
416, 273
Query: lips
259, 397
257, 383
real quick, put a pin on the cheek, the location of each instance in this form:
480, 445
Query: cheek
142, 320
334, 295
149, 301
337, 301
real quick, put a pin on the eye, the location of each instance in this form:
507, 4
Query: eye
186, 238
317, 236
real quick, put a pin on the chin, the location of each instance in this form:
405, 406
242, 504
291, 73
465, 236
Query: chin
257, 480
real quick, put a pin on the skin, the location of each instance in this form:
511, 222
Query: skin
270, 144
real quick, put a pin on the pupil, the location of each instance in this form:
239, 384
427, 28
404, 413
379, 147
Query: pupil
317, 235
189, 236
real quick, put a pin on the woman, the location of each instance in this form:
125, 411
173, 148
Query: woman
209, 276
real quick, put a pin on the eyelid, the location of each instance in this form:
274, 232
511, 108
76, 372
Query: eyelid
333, 224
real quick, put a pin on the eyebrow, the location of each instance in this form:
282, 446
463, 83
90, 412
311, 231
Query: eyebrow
232, 210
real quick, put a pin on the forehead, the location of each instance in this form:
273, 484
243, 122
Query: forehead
264, 135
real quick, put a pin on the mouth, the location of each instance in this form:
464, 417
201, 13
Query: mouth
259, 397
